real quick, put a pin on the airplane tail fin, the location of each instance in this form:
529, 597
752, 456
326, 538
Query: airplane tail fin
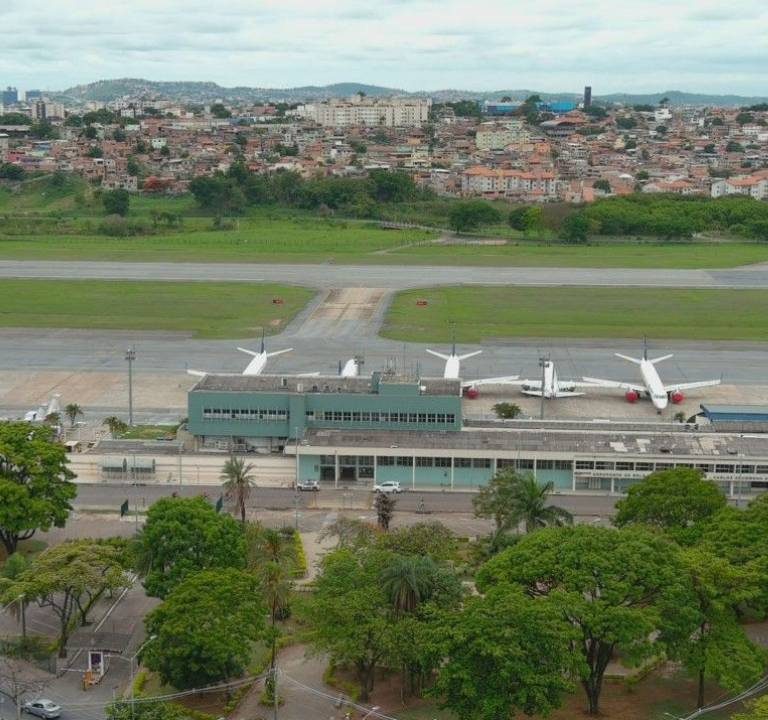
469, 355
659, 359
440, 355
628, 359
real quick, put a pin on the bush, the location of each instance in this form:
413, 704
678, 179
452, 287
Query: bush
506, 411
116, 202
467, 215
9, 171
118, 226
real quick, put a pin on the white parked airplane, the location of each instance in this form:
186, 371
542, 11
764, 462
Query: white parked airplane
44, 411
553, 387
652, 386
351, 368
453, 369
255, 366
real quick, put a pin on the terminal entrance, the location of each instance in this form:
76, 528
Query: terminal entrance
350, 468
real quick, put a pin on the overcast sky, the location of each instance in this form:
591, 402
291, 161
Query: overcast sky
549, 45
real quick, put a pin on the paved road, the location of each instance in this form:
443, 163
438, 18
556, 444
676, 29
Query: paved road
272, 498
387, 276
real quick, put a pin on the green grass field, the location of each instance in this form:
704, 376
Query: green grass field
482, 313
207, 310
50, 221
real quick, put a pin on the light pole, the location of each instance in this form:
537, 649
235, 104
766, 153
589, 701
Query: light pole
130, 356
543, 365
130, 660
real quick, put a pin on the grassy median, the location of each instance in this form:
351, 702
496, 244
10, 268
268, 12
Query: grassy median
483, 313
201, 309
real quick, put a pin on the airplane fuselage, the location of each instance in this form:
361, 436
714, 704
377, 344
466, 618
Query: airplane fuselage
257, 365
452, 368
653, 385
351, 369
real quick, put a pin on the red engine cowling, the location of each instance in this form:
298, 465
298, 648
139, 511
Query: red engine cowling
471, 393
676, 397
632, 396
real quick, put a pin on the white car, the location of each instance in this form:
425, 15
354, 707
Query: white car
43, 708
311, 485
388, 486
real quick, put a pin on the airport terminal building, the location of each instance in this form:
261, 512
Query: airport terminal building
357, 431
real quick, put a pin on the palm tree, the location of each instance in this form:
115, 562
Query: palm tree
73, 411
531, 499
238, 482
115, 424
408, 581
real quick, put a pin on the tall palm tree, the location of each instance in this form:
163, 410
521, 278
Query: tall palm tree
115, 424
530, 497
238, 482
73, 411
408, 581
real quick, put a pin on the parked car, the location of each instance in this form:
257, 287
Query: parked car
388, 486
43, 708
311, 485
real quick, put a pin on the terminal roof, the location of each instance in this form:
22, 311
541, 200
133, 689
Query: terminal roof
319, 384
589, 442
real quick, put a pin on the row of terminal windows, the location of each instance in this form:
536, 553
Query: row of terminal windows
628, 466
384, 417
439, 462
259, 414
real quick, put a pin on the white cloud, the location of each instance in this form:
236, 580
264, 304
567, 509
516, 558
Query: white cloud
550, 45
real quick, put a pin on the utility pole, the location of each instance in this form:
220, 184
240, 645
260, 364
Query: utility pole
130, 356
543, 365
274, 692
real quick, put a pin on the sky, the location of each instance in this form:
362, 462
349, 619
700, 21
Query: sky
548, 45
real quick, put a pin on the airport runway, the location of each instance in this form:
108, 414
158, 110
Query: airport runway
390, 277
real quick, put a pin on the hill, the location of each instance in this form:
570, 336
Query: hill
208, 92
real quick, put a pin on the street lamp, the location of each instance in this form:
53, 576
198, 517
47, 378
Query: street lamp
130, 356
543, 365
130, 660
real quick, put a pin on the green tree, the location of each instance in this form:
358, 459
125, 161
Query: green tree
350, 533
116, 426
219, 111
526, 219
384, 504
35, 487
10, 171
238, 482
511, 498
133, 168
756, 710
468, 215
73, 411
391, 187
504, 654
507, 411
183, 536
621, 590
116, 202
205, 628
217, 194
349, 614
745, 118
675, 501
575, 229
95, 152
720, 649
626, 123
408, 581
69, 579
428, 539
602, 184
44, 130
119, 135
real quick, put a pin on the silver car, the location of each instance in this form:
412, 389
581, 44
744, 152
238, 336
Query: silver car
43, 708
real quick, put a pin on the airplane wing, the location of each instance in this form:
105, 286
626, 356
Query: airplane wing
691, 385
507, 380
278, 352
597, 382
197, 373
